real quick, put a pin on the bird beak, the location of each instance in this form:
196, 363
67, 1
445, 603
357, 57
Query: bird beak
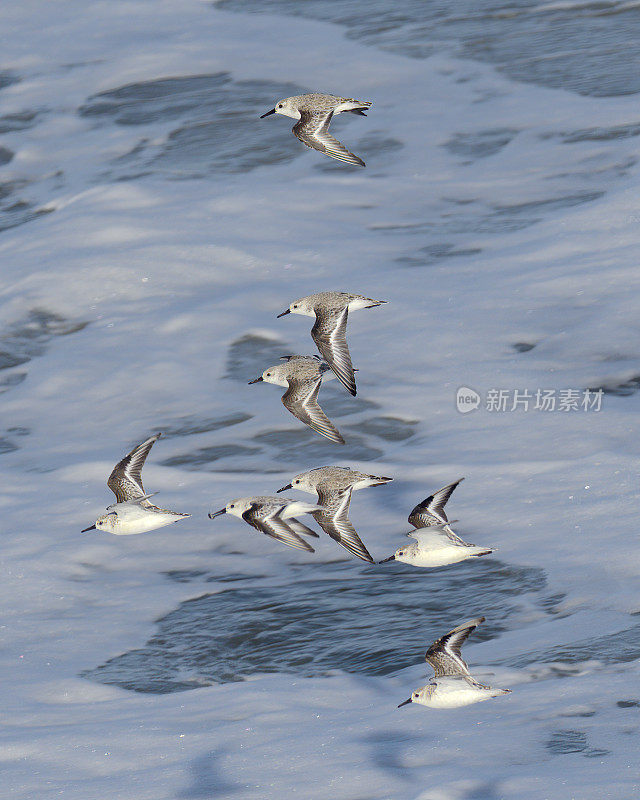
217, 513
391, 558
256, 380
405, 703
284, 488
273, 111
288, 311
90, 528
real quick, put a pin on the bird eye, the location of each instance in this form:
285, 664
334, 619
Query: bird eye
296, 481
232, 505
268, 374
279, 105
295, 305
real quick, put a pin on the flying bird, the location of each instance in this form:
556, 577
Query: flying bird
334, 487
274, 516
314, 112
132, 512
452, 685
302, 376
436, 544
329, 332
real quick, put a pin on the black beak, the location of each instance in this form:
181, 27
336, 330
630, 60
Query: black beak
284, 488
405, 703
256, 380
288, 311
273, 111
90, 528
217, 513
391, 558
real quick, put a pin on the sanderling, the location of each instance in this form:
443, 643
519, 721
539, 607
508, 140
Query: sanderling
452, 686
334, 486
329, 331
133, 513
268, 514
436, 544
302, 375
314, 112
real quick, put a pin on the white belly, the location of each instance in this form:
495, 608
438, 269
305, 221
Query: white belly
440, 556
455, 698
130, 525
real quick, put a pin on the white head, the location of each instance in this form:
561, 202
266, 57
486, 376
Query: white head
288, 107
405, 554
303, 306
420, 696
303, 482
107, 522
235, 507
276, 374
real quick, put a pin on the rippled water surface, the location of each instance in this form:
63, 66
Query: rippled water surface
342, 619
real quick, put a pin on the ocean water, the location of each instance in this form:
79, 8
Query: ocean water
151, 228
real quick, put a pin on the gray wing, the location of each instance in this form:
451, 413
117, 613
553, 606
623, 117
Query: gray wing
301, 399
444, 654
125, 480
338, 525
274, 526
313, 130
432, 508
330, 335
